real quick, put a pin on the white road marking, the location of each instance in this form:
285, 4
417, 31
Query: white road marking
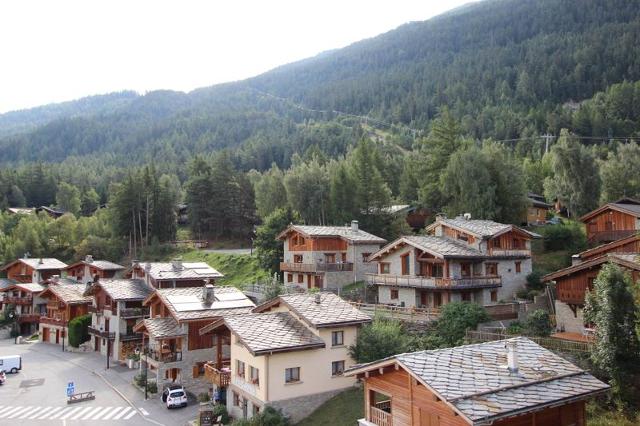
30, 412
91, 413
9, 411
17, 413
41, 412
81, 413
114, 411
64, 411
131, 414
122, 413
101, 413
5, 409
55, 410
144, 412
69, 413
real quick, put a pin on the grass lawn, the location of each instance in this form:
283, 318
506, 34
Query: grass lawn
237, 269
342, 410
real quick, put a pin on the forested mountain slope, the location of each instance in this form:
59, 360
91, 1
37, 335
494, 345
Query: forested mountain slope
503, 68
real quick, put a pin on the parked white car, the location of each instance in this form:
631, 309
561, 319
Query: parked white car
11, 363
175, 396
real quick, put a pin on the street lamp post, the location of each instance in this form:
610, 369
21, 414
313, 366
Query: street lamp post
63, 335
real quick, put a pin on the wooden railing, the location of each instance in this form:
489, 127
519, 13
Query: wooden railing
18, 300
53, 321
191, 243
398, 312
510, 252
316, 267
55, 305
165, 356
503, 311
28, 317
432, 282
219, 377
134, 312
379, 417
104, 334
546, 342
130, 336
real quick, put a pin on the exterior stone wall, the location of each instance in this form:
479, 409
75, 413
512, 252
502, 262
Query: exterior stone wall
566, 320
299, 408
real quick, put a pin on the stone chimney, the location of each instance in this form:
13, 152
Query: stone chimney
575, 260
88, 258
467, 216
354, 225
317, 298
40, 261
176, 264
512, 356
208, 295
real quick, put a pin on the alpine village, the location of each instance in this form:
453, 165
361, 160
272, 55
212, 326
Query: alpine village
439, 225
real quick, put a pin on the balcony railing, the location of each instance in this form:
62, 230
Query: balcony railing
379, 417
54, 321
435, 283
608, 236
55, 305
162, 356
134, 312
28, 318
130, 336
511, 252
104, 334
316, 267
18, 300
218, 377
94, 309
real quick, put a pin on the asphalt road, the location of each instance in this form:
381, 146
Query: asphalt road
37, 394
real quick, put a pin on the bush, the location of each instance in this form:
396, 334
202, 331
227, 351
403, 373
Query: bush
380, 339
204, 397
538, 323
152, 387
534, 281
458, 317
140, 379
221, 410
515, 328
79, 330
565, 236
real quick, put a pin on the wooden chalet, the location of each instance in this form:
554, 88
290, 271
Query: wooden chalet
537, 210
630, 244
25, 302
509, 382
54, 213
33, 270
64, 303
612, 221
88, 269
175, 274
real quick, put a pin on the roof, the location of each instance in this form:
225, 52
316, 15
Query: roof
42, 263
438, 246
538, 201
69, 294
21, 210
122, 289
104, 265
265, 333
187, 304
57, 280
475, 381
605, 248
6, 282
30, 287
331, 311
624, 205
179, 270
480, 228
627, 260
160, 328
357, 236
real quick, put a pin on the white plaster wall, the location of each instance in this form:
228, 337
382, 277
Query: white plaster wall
565, 320
406, 295
512, 281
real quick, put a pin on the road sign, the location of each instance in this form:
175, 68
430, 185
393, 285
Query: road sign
70, 388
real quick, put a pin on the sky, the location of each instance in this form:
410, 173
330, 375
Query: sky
53, 51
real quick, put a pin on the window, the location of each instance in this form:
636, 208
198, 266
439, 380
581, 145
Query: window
240, 368
198, 369
436, 270
292, 375
463, 237
289, 278
518, 244
337, 338
466, 296
330, 257
300, 278
405, 263
494, 295
254, 375
236, 400
465, 269
394, 293
491, 269
297, 258
337, 368
496, 243
384, 267
365, 257
518, 267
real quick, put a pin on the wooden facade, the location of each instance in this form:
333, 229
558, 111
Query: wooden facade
513, 242
77, 271
20, 272
298, 242
608, 224
625, 245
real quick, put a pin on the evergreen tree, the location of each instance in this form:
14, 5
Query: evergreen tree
270, 191
89, 201
68, 198
621, 173
269, 250
307, 187
342, 191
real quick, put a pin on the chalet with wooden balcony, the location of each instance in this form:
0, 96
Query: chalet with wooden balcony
573, 282
461, 260
33, 270
625, 245
537, 210
175, 274
115, 309
327, 256
24, 300
176, 352
290, 354
4, 283
64, 303
501, 383
88, 269
612, 221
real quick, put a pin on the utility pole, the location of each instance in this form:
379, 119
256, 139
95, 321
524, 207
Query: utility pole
547, 137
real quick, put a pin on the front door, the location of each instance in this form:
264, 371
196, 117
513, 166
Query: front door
57, 337
424, 298
45, 334
437, 299
96, 344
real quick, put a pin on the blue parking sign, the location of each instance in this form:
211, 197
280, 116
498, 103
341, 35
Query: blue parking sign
70, 388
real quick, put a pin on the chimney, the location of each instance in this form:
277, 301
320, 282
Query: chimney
96, 278
317, 297
575, 260
208, 294
467, 216
88, 258
354, 225
40, 261
26, 255
177, 264
512, 356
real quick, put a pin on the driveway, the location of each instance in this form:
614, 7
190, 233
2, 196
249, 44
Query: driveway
37, 394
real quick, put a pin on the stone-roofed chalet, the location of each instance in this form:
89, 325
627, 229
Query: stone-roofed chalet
572, 283
327, 256
174, 274
537, 210
33, 270
508, 382
5, 283
460, 259
115, 309
612, 221
27, 303
290, 353
64, 303
88, 269
177, 351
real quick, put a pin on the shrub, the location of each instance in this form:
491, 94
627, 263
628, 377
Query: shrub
458, 317
515, 327
140, 379
152, 387
538, 323
221, 410
564, 236
380, 339
79, 330
204, 397
534, 281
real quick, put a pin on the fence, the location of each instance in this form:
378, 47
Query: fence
399, 312
546, 342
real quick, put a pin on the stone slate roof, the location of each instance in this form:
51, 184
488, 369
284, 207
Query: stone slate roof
331, 311
627, 260
438, 246
187, 271
104, 265
625, 205
474, 378
160, 328
272, 332
187, 304
122, 289
480, 228
6, 282
44, 263
31, 287
69, 294
345, 232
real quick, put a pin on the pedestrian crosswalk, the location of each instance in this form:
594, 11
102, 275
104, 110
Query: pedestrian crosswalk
68, 413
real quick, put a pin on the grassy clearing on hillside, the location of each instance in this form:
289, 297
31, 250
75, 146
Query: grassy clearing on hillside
342, 410
238, 270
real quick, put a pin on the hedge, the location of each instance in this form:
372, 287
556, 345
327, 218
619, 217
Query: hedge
79, 330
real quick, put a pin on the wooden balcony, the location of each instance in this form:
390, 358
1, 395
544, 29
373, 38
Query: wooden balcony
18, 300
316, 267
510, 253
142, 312
104, 334
26, 318
434, 283
94, 309
378, 416
600, 237
130, 337
218, 377
53, 321
55, 305
164, 356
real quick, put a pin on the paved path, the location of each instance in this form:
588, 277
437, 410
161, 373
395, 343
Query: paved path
37, 393
229, 251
